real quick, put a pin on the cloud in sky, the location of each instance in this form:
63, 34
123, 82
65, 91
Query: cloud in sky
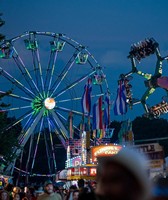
113, 57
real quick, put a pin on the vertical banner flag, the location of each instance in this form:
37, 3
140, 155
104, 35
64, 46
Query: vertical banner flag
86, 98
120, 105
106, 111
97, 115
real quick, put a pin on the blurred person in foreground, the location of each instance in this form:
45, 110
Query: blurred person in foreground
4, 195
121, 177
49, 193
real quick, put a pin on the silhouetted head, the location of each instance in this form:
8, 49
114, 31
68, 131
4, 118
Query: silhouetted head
123, 176
81, 183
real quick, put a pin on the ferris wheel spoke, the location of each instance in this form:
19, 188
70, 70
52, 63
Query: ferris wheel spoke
71, 99
32, 45
60, 125
16, 150
52, 145
64, 72
29, 152
25, 127
57, 132
38, 69
17, 96
36, 147
47, 152
16, 83
65, 119
17, 108
72, 85
32, 127
78, 98
25, 72
50, 70
15, 122
69, 110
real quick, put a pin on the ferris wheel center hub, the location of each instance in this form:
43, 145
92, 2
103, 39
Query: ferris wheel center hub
49, 103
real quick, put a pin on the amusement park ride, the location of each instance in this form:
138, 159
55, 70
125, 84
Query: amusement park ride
54, 82
138, 52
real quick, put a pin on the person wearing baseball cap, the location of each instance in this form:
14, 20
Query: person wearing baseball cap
49, 193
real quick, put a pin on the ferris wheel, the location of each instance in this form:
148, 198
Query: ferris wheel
46, 73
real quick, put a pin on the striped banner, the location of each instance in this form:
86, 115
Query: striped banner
106, 111
86, 98
120, 105
97, 115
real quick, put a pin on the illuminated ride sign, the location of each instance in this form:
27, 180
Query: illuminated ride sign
104, 150
74, 162
87, 172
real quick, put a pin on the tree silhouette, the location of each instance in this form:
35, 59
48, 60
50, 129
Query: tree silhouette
2, 22
155, 129
146, 131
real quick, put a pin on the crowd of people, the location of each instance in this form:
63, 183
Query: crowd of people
49, 191
119, 177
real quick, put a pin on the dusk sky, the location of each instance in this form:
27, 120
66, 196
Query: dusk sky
107, 27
